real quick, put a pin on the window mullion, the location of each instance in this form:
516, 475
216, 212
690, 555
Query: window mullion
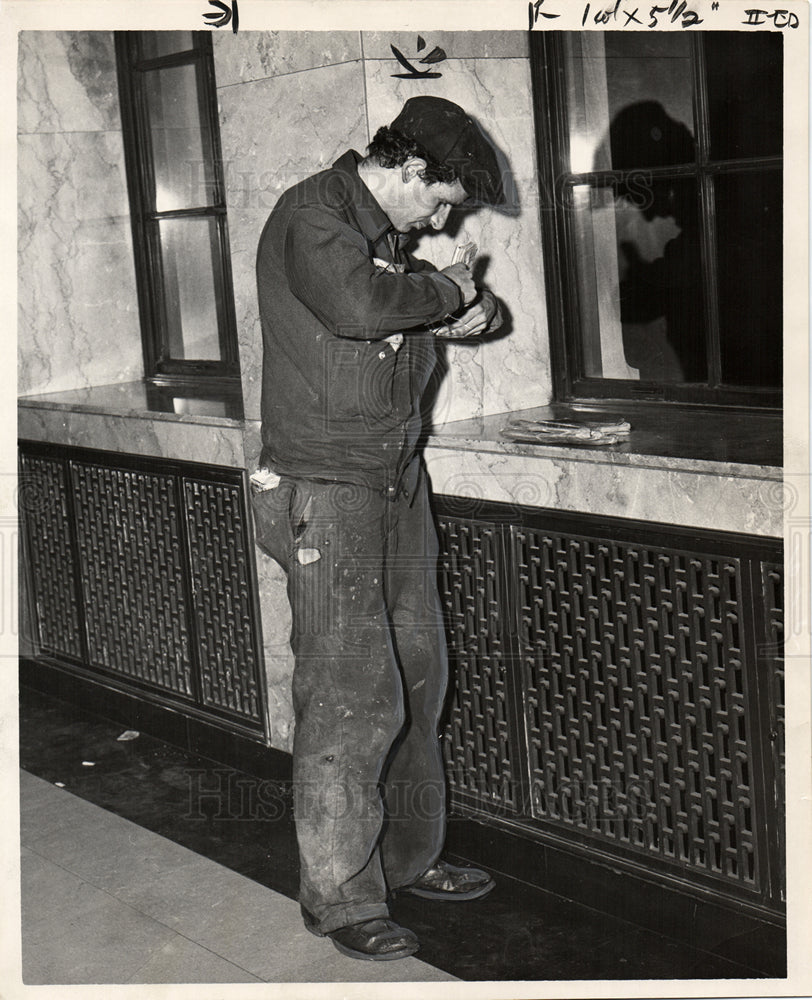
552, 151
226, 315
168, 62
204, 212
160, 305
707, 213
158, 333
137, 162
210, 117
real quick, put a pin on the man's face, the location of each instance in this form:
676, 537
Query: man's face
422, 206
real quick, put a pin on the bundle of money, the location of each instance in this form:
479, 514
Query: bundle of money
465, 253
578, 432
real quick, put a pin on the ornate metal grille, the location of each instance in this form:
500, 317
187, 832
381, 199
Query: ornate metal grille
772, 583
221, 597
43, 501
142, 572
480, 758
131, 558
636, 700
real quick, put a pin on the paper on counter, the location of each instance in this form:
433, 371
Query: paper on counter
578, 432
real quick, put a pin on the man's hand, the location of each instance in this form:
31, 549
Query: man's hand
474, 320
461, 277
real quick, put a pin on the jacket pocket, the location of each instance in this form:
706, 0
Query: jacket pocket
360, 381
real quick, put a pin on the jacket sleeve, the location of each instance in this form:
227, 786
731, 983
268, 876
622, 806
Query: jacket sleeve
497, 319
328, 269
426, 267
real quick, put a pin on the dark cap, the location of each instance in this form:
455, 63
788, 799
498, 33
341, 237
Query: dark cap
451, 138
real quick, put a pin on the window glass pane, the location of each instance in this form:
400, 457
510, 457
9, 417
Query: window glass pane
748, 214
639, 283
189, 255
180, 139
661, 299
630, 100
201, 407
164, 43
745, 89
596, 258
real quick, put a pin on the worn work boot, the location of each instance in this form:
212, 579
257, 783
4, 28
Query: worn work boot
379, 940
450, 883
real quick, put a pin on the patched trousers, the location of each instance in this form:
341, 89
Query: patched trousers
368, 686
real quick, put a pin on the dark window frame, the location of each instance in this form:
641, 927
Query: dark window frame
547, 63
159, 367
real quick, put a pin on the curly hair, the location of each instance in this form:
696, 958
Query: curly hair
390, 148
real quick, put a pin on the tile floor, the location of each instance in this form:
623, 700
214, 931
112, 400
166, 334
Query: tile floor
130, 906
153, 864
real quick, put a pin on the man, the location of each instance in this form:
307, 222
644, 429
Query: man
349, 320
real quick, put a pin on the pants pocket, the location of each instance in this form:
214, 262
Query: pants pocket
272, 521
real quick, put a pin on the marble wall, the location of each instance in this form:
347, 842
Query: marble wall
78, 319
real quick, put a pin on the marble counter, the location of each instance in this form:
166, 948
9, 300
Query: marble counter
716, 472
136, 419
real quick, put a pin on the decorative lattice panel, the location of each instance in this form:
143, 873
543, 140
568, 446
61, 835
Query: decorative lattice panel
772, 655
636, 702
128, 532
222, 597
479, 755
44, 514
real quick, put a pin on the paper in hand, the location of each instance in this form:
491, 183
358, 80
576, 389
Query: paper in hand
465, 253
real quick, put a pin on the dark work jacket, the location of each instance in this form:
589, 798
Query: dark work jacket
339, 401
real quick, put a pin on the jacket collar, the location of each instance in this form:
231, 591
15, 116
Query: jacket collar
372, 221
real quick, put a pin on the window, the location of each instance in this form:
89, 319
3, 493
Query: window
177, 199
660, 159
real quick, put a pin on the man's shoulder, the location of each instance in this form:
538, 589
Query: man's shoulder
331, 192
330, 188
